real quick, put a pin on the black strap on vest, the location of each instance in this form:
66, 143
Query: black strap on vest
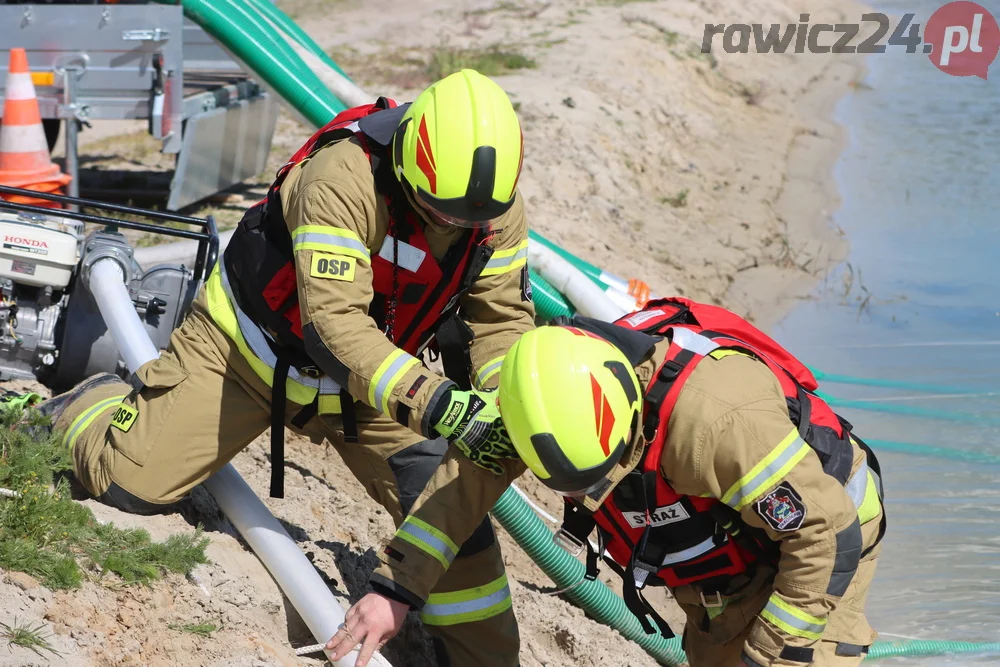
281, 367
349, 416
579, 524
453, 338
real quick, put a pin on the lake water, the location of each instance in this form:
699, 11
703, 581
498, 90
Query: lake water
920, 182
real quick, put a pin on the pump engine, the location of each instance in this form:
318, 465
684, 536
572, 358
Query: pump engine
50, 327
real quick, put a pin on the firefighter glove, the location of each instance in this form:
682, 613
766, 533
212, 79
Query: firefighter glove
471, 421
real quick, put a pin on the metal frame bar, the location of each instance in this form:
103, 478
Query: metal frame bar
208, 240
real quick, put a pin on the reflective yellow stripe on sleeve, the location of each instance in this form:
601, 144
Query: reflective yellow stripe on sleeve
387, 376
488, 370
469, 605
792, 621
504, 261
429, 539
768, 472
329, 239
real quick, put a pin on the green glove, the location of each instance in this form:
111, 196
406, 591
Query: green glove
471, 421
20, 400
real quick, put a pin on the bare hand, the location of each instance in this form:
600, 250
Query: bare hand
373, 621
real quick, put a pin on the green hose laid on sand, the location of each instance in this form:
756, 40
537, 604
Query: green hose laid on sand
594, 597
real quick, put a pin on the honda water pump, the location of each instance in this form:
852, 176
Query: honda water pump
50, 326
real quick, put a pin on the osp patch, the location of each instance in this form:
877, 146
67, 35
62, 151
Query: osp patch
782, 509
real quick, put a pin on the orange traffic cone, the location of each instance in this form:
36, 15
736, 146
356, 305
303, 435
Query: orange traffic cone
24, 152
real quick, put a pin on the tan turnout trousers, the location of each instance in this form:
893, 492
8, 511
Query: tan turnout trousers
201, 404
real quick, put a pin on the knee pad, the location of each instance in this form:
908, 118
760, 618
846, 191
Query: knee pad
119, 498
482, 538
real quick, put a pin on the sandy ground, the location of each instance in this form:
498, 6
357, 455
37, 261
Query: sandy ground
705, 175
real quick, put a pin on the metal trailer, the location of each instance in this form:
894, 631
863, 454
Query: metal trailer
147, 62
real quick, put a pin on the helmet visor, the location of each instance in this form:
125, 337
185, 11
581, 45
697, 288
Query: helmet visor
445, 219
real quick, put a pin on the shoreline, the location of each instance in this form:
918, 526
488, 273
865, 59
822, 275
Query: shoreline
807, 202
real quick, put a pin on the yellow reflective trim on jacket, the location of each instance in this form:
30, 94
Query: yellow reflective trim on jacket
225, 318
329, 404
725, 352
791, 620
86, 418
330, 240
468, 605
504, 261
488, 370
768, 472
872, 505
429, 539
387, 376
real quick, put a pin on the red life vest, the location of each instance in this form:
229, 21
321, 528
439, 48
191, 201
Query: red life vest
413, 296
650, 529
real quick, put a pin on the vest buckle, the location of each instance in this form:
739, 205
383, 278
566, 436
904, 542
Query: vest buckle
568, 542
311, 371
714, 604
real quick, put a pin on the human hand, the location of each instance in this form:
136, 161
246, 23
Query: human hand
373, 621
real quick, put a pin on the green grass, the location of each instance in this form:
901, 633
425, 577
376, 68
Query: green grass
48, 535
30, 637
200, 629
677, 201
489, 61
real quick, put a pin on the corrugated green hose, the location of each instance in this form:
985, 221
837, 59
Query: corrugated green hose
595, 598
283, 21
548, 301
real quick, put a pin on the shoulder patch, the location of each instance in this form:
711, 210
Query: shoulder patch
333, 267
782, 509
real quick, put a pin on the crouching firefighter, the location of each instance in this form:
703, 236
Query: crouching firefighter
694, 445
393, 230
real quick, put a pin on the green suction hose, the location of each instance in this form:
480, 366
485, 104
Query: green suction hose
292, 29
909, 410
926, 647
595, 598
548, 301
890, 384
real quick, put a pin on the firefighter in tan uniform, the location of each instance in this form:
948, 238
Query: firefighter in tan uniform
724, 479
393, 229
